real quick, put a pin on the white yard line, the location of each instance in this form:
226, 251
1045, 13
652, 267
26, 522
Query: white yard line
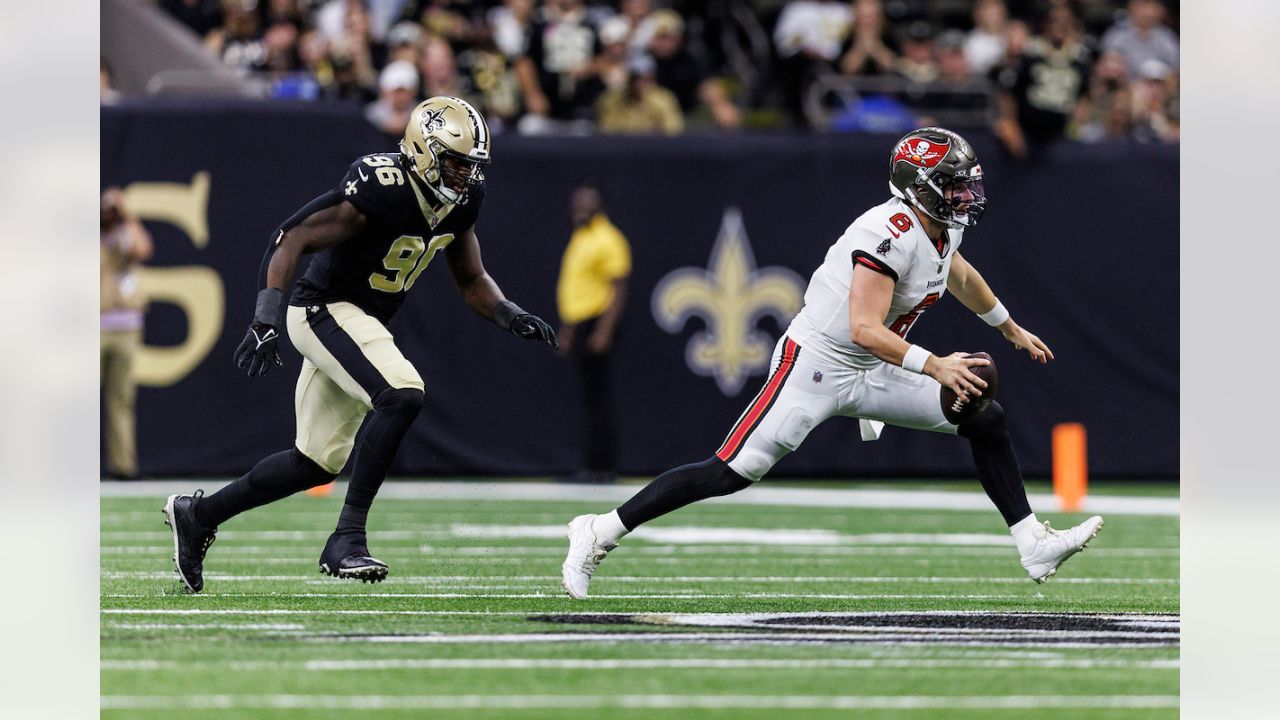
762, 495
781, 702
595, 596
640, 664
644, 579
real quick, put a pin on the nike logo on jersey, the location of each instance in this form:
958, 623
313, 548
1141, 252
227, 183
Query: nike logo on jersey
363, 177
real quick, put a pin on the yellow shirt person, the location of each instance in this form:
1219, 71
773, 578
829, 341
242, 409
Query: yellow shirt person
597, 255
591, 294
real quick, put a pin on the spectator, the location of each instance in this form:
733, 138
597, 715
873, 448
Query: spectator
557, 74
397, 96
869, 51
345, 84
917, 63
807, 40
641, 105
440, 71
283, 12
281, 45
678, 71
509, 24
958, 98
202, 16
405, 42
1041, 87
1155, 103
985, 44
591, 293
107, 95
611, 63
123, 245
239, 41
345, 25
637, 14
1142, 36
1105, 110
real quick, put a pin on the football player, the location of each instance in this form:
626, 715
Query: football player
373, 235
846, 353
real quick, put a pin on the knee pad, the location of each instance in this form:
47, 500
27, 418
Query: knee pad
405, 402
750, 465
986, 425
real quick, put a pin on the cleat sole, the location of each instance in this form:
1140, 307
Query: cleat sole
371, 574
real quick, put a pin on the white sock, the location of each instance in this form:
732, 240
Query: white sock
609, 527
1026, 532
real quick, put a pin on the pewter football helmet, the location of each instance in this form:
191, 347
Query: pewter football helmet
937, 171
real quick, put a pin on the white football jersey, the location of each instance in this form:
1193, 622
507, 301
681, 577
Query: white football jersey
888, 239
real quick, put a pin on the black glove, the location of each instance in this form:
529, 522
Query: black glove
532, 327
261, 345
259, 349
510, 317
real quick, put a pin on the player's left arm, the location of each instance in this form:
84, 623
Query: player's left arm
483, 295
967, 284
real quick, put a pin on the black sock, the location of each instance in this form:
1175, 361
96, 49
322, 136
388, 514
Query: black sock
997, 465
274, 477
393, 413
676, 488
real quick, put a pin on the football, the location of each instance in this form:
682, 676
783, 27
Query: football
957, 411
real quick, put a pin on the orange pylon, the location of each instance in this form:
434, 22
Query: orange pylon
1070, 465
321, 490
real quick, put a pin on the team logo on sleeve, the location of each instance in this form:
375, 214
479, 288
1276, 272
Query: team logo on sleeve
883, 248
921, 153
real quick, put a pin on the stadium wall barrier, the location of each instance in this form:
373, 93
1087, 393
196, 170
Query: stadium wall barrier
1082, 247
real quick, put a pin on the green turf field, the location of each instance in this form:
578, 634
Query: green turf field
695, 619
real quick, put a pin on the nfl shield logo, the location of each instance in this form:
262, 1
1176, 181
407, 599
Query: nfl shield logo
817, 376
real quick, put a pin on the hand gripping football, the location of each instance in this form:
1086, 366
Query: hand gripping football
956, 410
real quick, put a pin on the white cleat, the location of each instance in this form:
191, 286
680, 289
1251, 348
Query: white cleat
585, 554
1053, 547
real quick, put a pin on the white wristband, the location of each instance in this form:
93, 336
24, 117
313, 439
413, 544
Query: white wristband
915, 359
996, 316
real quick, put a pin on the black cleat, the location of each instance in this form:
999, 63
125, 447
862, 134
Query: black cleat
191, 540
346, 556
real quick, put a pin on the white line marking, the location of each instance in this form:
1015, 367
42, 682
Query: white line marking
640, 664
512, 580
753, 536
475, 702
208, 626
595, 596
767, 496
487, 553
772, 550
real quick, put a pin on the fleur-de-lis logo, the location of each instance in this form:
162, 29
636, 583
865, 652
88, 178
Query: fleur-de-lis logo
432, 120
730, 296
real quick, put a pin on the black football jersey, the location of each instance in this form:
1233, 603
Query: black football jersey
404, 231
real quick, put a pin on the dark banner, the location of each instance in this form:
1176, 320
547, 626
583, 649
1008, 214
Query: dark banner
724, 231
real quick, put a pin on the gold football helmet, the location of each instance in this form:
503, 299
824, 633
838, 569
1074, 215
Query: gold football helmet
447, 145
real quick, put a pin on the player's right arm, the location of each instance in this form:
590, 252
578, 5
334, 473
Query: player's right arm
322, 223
870, 296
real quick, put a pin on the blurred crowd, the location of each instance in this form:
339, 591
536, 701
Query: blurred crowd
1031, 70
